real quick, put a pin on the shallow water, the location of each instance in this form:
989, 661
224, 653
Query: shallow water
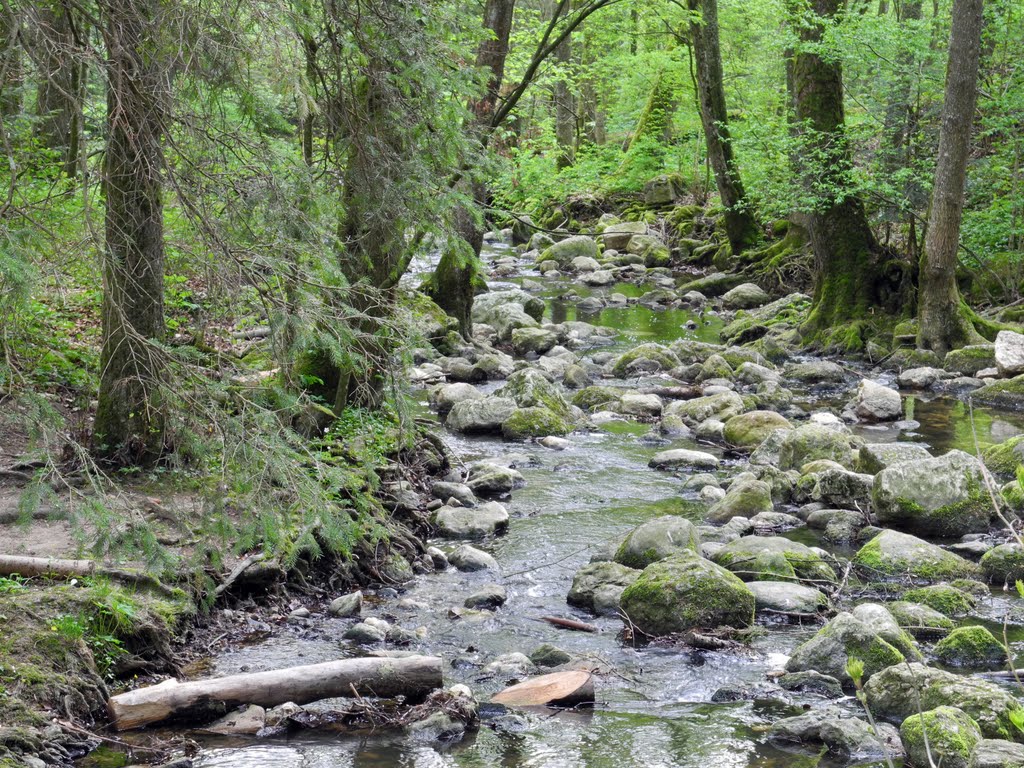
655, 706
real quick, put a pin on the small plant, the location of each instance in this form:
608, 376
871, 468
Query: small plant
11, 584
855, 669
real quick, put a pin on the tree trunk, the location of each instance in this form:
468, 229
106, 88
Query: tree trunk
61, 85
452, 284
10, 64
202, 700
944, 322
739, 222
129, 426
565, 107
845, 252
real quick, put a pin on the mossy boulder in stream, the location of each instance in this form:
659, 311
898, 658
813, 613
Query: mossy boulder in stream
901, 691
943, 736
657, 539
764, 558
1008, 393
1004, 564
571, 248
1005, 457
529, 388
721, 406
894, 554
971, 647
660, 356
597, 587
598, 398
945, 496
971, 359
747, 497
811, 442
685, 592
920, 620
483, 415
944, 598
748, 430
845, 636
537, 421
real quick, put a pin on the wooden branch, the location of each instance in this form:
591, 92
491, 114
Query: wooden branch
579, 626
202, 700
30, 567
560, 689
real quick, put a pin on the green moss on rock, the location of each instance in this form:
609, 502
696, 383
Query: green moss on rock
944, 598
971, 647
945, 736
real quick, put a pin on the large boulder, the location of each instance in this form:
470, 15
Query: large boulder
649, 357
971, 359
971, 647
722, 406
845, 636
817, 372
1006, 393
571, 248
901, 691
489, 479
537, 421
507, 310
657, 539
616, 236
746, 497
943, 736
812, 442
852, 738
685, 592
892, 554
1009, 353
483, 415
875, 402
533, 340
471, 522
529, 388
597, 587
764, 558
945, 496
997, 753
745, 296
783, 597
874, 457
447, 396
746, 431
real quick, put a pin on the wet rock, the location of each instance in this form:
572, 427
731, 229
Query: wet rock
471, 522
746, 497
368, 632
943, 736
714, 369
525, 423
812, 682
448, 491
513, 664
584, 264
760, 558
811, 442
745, 296
748, 430
529, 388
447, 396
684, 592
920, 378
1008, 393
903, 690
878, 618
816, 372
600, 277
843, 637
712, 494
1004, 564
774, 522
246, 721
661, 357
840, 733
553, 443
875, 402
714, 284
346, 606
656, 540
487, 598
547, 655
784, 597
469, 559
673, 426
532, 340
944, 496
572, 247
972, 647
721, 407
996, 753
944, 598
970, 359
681, 458
597, 586
438, 558
920, 620
489, 479
480, 415
710, 431
874, 457
637, 404
892, 554
844, 489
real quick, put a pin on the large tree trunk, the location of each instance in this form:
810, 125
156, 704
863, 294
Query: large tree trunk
565, 107
739, 222
10, 64
944, 322
61, 85
846, 255
129, 427
452, 284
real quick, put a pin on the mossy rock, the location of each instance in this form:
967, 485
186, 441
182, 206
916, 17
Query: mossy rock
1005, 457
536, 421
657, 539
749, 430
921, 621
714, 284
811, 442
1007, 393
529, 389
1004, 564
944, 598
599, 585
943, 736
746, 497
773, 558
970, 359
684, 592
843, 638
971, 647
598, 398
722, 406
571, 248
659, 353
894, 554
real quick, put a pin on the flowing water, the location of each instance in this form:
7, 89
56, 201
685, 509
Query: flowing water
655, 704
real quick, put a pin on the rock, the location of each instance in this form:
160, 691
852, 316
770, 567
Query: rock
346, 606
1005, 457
811, 442
547, 655
1008, 393
874, 457
943, 736
892, 554
507, 310
487, 479
746, 497
784, 597
365, 633
971, 647
483, 415
617, 235
748, 430
471, 522
878, 618
636, 404
996, 753
684, 592
248, 721
945, 496
745, 296
681, 458
584, 264
529, 389
572, 247
944, 598
525, 423
844, 489
722, 407
760, 558
971, 359
532, 340
553, 443
920, 378
657, 539
447, 396
1004, 564
662, 357
600, 277
598, 586
769, 522
812, 682
849, 736
845, 636
714, 284
816, 372
920, 620
891, 695
448, 491
467, 558
487, 598
875, 402
438, 558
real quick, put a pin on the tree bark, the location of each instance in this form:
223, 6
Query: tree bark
565, 107
739, 222
944, 323
201, 700
62, 82
130, 422
845, 252
10, 64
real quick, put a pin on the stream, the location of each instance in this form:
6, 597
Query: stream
655, 704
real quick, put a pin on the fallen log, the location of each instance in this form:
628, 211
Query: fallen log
204, 700
579, 626
29, 567
559, 689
